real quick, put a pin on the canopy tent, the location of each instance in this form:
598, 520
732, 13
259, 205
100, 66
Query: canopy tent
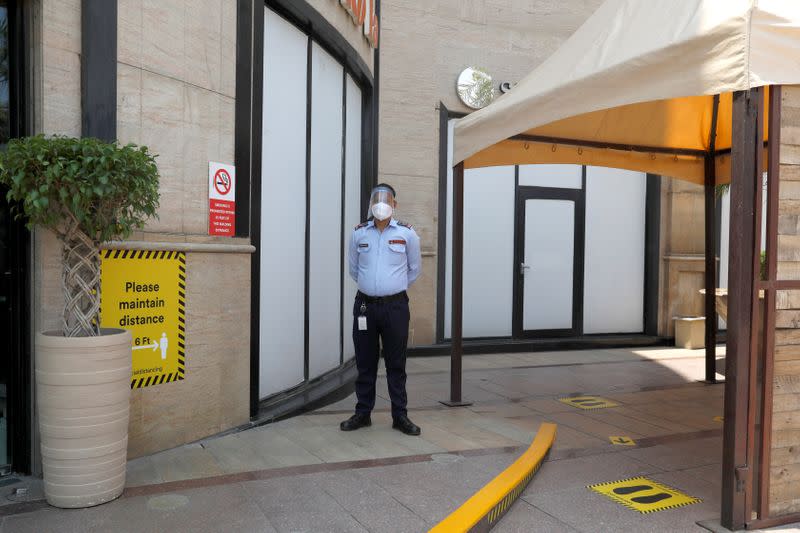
634, 88
651, 86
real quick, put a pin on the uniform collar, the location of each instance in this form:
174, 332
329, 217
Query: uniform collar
371, 222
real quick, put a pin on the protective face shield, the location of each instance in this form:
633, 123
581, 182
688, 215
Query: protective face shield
381, 203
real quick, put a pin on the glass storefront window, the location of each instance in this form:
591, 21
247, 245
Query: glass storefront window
5, 107
6, 229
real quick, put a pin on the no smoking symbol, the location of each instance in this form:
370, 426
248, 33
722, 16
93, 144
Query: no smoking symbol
222, 181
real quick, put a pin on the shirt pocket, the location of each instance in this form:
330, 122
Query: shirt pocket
398, 255
363, 247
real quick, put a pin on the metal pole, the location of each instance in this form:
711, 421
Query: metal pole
711, 248
711, 272
745, 176
457, 348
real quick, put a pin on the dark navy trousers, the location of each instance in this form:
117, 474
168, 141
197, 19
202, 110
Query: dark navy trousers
387, 325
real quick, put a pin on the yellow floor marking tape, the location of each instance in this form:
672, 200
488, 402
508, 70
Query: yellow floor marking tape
588, 402
643, 494
622, 441
485, 508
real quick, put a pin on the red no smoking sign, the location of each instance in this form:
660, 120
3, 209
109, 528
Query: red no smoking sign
222, 181
221, 199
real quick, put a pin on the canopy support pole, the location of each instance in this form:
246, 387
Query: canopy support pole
457, 348
711, 249
710, 275
737, 430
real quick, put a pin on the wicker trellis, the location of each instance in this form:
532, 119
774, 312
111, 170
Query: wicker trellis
80, 281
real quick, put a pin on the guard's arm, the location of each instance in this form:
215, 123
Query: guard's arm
352, 256
414, 257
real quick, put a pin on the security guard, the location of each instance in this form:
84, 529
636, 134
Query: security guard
384, 260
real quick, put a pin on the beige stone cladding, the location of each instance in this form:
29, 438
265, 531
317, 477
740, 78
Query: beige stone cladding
424, 46
176, 95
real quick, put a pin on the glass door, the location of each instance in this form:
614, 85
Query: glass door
549, 290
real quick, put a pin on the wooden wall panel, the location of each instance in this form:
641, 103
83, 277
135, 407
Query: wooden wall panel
785, 458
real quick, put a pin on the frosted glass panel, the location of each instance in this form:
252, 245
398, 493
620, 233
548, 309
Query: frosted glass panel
283, 193
352, 203
549, 248
561, 176
614, 260
324, 304
488, 252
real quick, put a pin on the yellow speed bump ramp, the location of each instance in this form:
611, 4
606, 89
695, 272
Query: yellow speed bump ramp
487, 506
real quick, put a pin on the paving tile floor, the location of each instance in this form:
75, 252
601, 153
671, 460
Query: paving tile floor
303, 474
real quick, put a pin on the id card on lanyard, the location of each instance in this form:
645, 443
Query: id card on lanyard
362, 319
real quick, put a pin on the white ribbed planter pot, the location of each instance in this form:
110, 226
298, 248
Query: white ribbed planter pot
83, 398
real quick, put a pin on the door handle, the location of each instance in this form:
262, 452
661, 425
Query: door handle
522, 268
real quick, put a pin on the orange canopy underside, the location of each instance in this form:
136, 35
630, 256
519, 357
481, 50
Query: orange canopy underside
665, 137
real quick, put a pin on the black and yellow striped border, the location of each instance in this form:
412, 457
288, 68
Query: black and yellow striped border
487, 506
681, 499
156, 255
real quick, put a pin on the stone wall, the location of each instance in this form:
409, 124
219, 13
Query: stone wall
785, 459
424, 46
176, 94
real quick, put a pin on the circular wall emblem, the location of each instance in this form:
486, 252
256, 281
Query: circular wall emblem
475, 88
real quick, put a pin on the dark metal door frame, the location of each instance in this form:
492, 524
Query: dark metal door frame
15, 282
578, 196
17, 274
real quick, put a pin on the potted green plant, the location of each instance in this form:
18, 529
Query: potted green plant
88, 192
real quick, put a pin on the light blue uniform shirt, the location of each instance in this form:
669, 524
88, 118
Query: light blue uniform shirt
384, 263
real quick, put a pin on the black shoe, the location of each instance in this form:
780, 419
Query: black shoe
402, 423
357, 421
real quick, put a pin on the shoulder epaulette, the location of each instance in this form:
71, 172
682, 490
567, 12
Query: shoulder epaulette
405, 225
362, 225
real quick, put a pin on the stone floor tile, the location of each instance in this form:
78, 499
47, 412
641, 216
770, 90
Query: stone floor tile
524, 518
317, 522
712, 473
588, 511
290, 495
329, 443
186, 462
627, 423
679, 456
370, 504
592, 426
213, 509
431, 490
708, 490
571, 473
515, 430
142, 471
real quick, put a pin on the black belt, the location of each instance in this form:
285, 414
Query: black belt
380, 299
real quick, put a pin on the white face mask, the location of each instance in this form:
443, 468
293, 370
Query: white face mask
381, 211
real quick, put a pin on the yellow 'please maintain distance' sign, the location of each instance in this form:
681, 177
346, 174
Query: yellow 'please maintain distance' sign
145, 292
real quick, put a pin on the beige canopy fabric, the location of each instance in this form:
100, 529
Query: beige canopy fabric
634, 88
